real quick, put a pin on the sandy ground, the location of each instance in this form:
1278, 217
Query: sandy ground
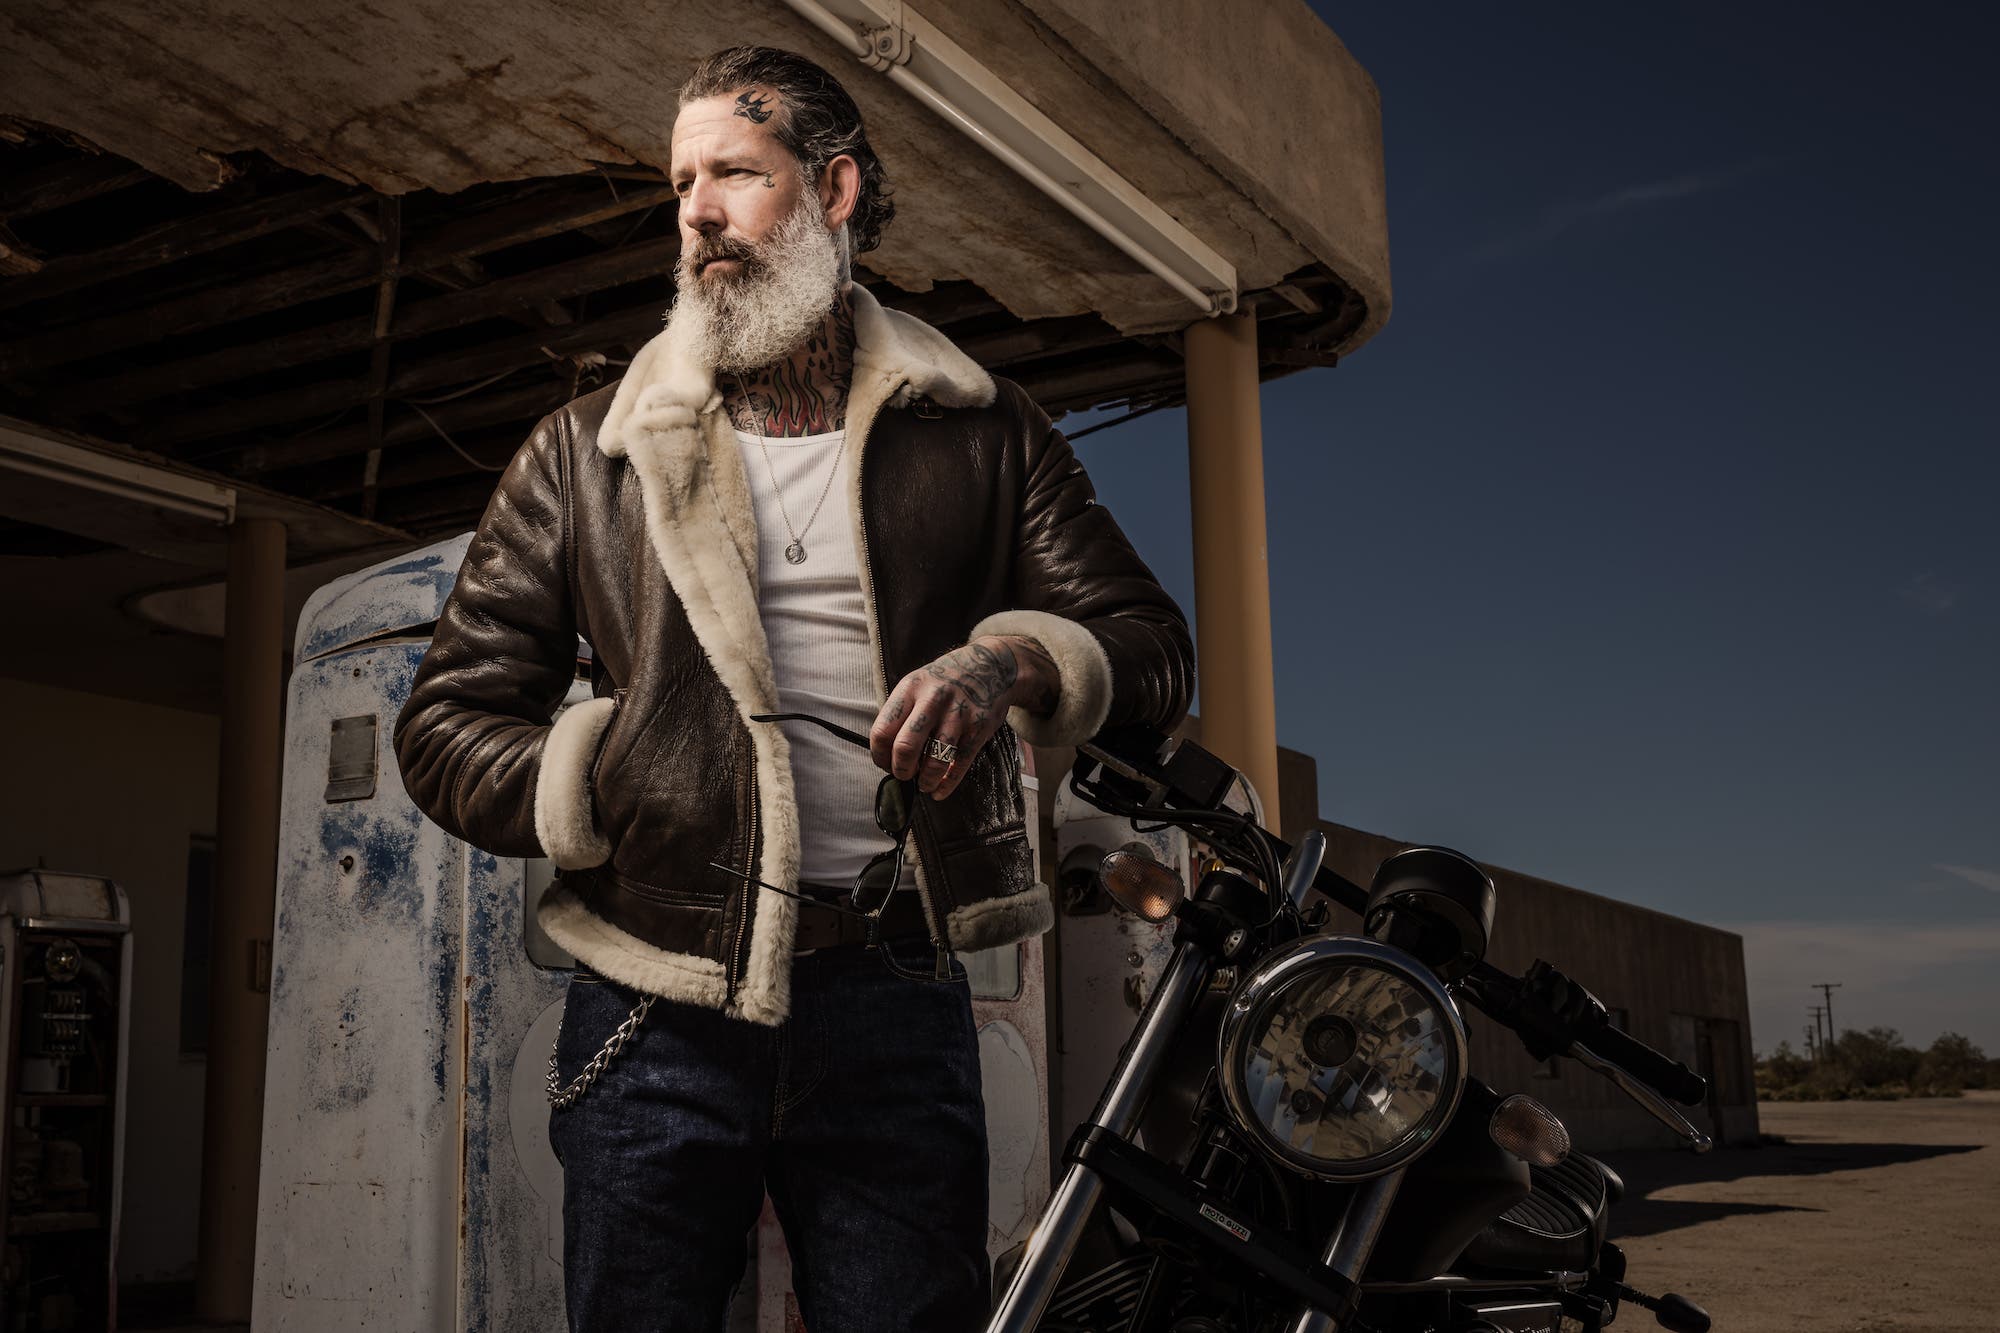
1871, 1215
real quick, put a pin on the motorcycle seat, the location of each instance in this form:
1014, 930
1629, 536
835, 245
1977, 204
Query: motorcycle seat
1559, 1227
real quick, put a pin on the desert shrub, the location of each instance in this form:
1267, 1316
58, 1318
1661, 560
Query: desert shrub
1951, 1064
1876, 1058
1876, 1066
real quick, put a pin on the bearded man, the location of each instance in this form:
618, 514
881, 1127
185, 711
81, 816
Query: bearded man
796, 502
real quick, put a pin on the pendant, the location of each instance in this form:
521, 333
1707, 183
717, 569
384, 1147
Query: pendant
796, 552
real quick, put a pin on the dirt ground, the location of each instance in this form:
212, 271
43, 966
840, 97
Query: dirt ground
1871, 1215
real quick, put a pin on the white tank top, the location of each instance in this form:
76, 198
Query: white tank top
817, 625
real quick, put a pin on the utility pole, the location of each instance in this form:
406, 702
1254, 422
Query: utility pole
1827, 988
1819, 1044
1812, 1040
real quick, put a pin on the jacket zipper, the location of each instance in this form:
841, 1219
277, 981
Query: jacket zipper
867, 556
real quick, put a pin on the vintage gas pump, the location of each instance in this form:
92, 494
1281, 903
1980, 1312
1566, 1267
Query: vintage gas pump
65, 961
406, 1180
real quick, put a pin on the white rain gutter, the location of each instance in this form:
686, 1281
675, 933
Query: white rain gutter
890, 38
28, 449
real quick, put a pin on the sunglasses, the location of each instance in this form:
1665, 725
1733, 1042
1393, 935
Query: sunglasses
895, 811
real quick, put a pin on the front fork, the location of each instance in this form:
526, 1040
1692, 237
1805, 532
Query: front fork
1062, 1223
1055, 1236
1352, 1242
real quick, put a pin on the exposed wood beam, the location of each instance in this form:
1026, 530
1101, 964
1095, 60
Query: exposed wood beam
184, 315
17, 257
613, 332
390, 237
180, 239
1040, 337
456, 278
1064, 384
410, 466
945, 303
527, 401
63, 183
464, 239
526, 291
431, 506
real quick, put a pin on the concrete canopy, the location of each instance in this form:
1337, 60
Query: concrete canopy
1249, 123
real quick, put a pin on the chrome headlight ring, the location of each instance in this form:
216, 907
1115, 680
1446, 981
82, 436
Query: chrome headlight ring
1342, 1057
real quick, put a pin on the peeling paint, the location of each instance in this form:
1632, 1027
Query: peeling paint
396, 595
401, 1002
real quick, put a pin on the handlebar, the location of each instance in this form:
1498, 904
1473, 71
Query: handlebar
1553, 1015
1670, 1077
1549, 1012
1645, 1094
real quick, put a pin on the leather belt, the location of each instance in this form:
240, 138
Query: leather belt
821, 927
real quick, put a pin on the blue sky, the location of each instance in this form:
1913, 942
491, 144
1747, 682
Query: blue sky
1652, 546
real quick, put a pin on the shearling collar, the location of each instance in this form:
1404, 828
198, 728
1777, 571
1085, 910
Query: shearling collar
896, 357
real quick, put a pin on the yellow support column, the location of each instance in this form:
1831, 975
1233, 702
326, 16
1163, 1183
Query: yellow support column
1232, 585
253, 666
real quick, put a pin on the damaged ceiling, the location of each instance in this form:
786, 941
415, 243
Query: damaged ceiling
1249, 123
351, 254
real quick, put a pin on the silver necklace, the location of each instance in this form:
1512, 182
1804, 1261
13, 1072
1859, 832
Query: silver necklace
796, 552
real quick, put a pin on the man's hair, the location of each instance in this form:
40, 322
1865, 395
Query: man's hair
816, 120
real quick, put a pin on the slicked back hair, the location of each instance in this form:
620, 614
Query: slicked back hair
816, 120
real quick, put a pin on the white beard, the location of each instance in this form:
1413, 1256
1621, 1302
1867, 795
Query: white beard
750, 319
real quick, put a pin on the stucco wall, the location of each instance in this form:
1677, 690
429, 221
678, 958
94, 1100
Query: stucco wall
109, 787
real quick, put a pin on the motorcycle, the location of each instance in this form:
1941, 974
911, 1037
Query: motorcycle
1291, 1139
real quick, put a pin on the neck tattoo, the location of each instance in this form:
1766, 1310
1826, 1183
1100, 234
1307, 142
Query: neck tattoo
795, 553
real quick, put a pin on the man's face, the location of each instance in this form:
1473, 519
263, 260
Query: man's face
723, 157
759, 268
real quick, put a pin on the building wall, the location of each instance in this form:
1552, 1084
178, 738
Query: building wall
109, 787
1680, 985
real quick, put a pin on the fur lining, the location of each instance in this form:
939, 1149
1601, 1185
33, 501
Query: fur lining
896, 356
1083, 699
666, 421
698, 547
565, 820
704, 533
992, 921
901, 349
611, 952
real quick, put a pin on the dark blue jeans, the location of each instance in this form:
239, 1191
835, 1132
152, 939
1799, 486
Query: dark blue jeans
861, 1116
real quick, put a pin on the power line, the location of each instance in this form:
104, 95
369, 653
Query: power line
1827, 988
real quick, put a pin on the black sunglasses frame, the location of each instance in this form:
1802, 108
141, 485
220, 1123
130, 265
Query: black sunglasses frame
856, 904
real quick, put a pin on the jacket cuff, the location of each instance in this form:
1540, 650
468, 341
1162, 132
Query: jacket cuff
1083, 689
565, 813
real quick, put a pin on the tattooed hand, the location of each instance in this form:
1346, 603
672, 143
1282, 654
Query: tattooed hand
961, 699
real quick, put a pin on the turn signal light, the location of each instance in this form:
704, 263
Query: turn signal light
1137, 882
1529, 1130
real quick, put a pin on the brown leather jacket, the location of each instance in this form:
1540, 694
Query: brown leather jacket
626, 518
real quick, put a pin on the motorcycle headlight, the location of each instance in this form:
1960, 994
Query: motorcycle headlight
1342, 1056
